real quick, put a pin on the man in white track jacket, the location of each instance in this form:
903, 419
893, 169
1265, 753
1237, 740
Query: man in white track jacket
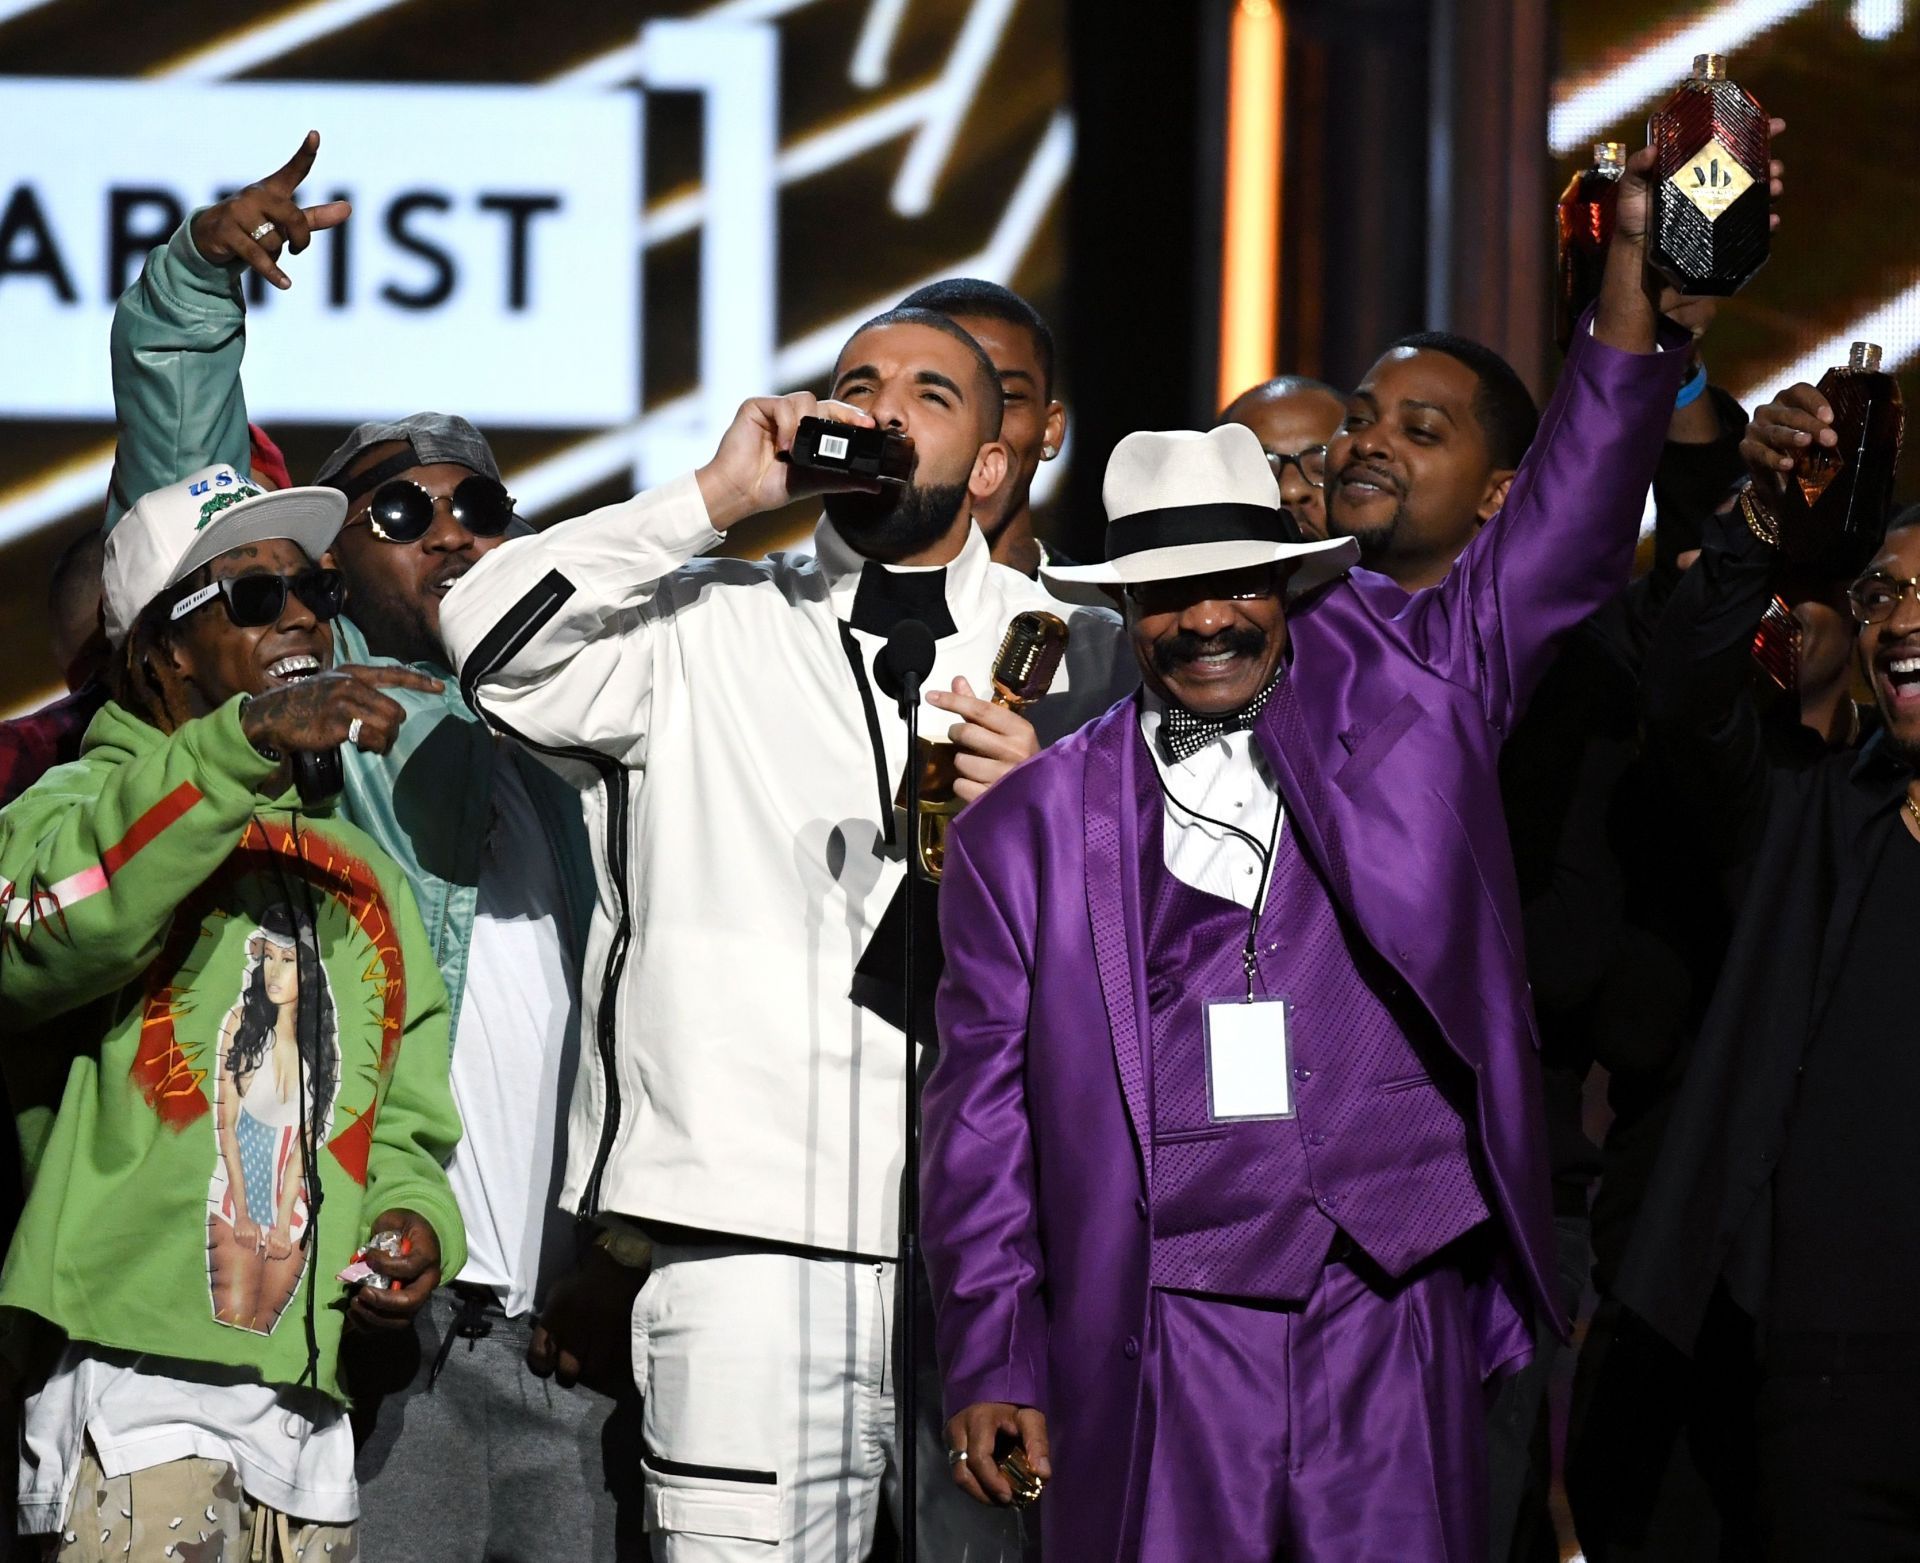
740, 763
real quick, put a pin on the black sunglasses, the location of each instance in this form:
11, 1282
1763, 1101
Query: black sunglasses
1255, 583
401, 511
256, 600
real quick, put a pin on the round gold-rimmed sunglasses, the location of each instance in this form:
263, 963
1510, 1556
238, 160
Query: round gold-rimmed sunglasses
1875, 598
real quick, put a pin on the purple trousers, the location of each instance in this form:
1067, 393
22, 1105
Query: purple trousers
1350, 1428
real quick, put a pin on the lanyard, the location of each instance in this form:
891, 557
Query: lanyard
1250, 957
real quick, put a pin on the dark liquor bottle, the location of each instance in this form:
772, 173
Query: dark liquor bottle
821, 445
1776, 644
1710, 202
1848, 488
1584, 219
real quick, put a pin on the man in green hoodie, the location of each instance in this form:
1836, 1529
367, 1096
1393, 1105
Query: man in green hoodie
250, 1082
494, 846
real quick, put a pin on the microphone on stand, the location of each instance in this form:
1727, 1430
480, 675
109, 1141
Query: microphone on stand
903, 665
900, 669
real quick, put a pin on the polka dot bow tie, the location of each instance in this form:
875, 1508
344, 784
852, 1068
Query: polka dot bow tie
1185, 733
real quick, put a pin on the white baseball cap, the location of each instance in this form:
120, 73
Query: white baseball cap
174, 530
1180, 503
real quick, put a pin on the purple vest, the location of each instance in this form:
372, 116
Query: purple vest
1250, 1208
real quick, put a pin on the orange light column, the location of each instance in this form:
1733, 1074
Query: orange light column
1250, 258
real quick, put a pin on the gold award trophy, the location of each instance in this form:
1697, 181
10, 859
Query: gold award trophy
1029, 657
1020, 1476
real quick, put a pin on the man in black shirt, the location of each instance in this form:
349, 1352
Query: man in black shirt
1846, 1226
1785, 1185
1624, 934
1659, 1449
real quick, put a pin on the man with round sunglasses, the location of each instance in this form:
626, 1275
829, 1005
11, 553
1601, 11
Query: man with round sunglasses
1294, 418
1783, 1190
251, 1081
495, 849
401, 511
424, 502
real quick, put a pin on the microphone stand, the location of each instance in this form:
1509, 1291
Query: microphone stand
906, 1386
902, 666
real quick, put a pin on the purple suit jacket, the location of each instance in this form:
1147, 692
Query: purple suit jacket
1384, 737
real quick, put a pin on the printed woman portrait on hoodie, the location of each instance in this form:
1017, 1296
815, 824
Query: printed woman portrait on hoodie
279, 1069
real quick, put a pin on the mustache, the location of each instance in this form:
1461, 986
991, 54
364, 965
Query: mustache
1184, 646
1359, 467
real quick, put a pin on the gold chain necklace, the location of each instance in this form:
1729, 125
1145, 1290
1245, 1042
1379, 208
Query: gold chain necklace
1913, 809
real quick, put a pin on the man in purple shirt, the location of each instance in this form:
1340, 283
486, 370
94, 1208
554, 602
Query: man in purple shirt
1235, 1179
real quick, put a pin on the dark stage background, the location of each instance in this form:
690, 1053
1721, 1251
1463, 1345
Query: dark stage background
1845, 75
914, 140
797, 164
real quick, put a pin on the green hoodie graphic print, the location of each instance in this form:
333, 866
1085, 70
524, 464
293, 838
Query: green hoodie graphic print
210, 999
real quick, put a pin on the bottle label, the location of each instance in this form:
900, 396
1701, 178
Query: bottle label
1713, 179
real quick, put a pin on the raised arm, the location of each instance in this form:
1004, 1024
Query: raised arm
179, 333
1701, 718
1562, 544
553, 635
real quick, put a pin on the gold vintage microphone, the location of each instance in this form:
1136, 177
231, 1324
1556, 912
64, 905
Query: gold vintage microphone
1030, 655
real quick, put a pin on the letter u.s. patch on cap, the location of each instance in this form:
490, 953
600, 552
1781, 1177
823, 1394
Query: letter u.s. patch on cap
220, 502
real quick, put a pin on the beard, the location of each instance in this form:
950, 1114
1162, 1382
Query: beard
1376, 541
898, 523
397, 623
1898, 750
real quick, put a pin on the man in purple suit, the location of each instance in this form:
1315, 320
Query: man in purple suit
1234, 1183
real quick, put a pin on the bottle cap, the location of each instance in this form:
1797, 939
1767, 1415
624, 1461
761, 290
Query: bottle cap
1864, 355
1710, 67
1609, 154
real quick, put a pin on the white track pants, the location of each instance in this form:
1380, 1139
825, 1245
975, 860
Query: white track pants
769, 1419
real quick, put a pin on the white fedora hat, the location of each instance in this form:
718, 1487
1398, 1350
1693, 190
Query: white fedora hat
1181, 504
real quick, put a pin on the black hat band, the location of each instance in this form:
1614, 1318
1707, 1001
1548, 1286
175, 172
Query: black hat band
1182, 526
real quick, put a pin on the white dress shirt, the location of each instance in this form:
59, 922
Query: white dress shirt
517, 1041
1227, 781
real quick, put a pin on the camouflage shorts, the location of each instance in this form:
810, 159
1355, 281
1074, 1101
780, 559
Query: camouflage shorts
186, 1511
